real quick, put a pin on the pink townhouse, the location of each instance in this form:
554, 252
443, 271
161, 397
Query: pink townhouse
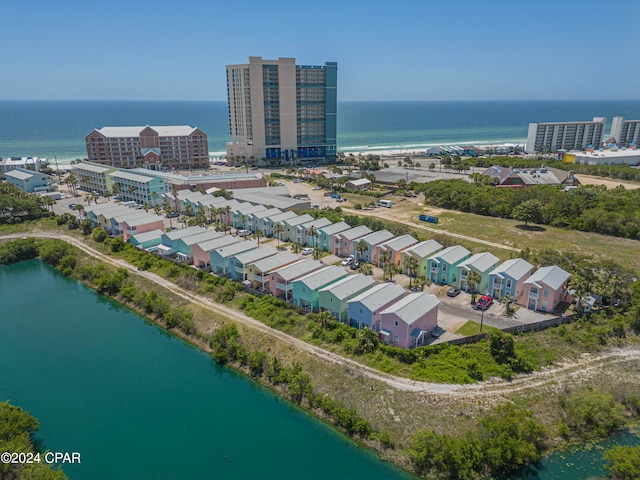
202, 251
281, 280
546, 288
143, 224
343, 242
409, 322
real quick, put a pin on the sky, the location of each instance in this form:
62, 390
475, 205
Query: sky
386, 50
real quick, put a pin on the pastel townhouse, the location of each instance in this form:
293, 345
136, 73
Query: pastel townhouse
365, 309
343, 241
147, 241
256, 219
326, 234
220, 258
117, 225
93, 212
409, 322
371, 241
509, 278
289, 226
202, 250
421, 252
483, 263
335, 297
281, 280
302, 231
442, 265
546, 288
143, 224
170, 239
272, 221
395, 247
184, 246
258, 272
138, 188
227, 207
238, 264
306, 290
242, 213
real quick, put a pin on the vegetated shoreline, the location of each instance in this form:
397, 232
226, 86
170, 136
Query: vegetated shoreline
486, 393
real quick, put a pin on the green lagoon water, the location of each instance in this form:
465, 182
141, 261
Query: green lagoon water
138, 403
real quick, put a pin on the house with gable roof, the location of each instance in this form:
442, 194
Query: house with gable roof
509, 278
483, 263
546, 288
442, 266
409, 321
364, 310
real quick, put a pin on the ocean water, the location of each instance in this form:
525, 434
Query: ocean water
56, 129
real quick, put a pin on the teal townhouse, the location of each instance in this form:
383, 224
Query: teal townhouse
138, 188
148, 241
421, 252
221, 257
202, 250
302, 231
483, 263
256, 219
306, 290
270, 222
93, 177
395, 247
344, 241
258, 272
178, 199
510, 278
364, 310
442, 265
326, 234
371, 241
289, 226
335, 298
28, 181
170, 239
238, 263
184, 246
241, 214
281, 280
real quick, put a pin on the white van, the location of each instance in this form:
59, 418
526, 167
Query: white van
385, 203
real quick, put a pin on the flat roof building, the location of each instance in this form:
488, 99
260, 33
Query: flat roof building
554, 136
281, 113
625, 132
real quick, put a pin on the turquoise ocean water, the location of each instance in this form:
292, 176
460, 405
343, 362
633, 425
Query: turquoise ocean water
57, 128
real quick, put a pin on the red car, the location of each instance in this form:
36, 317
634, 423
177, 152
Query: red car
484, 302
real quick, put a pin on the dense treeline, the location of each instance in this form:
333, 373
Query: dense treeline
16, 430
589, 208
17, 206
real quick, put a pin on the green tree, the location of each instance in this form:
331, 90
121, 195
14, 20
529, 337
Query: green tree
361, 247
410, 266
367, 340
529, 211
474, 278
624, 462
365, 268
277, 231
591, 413
390, 270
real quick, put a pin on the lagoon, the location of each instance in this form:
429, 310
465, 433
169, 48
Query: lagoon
137, 403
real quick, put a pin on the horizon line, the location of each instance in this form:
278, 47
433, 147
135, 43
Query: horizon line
340, 100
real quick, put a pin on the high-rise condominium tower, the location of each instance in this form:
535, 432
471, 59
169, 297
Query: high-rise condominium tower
281, 113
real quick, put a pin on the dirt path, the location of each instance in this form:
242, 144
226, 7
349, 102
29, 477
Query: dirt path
584, 367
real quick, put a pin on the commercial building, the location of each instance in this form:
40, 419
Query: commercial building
554, 136
625, 132
156, 148
28, 181
205, 182
138, 188
281, 113
93, 177
29, 163
630, 156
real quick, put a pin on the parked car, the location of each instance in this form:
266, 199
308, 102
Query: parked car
347, 261
72, 206
243, 233
355, 265
315, 207
437, 331
316, 188
453, 292
484, 302
334, 195
173, 214
307, 251
298, 180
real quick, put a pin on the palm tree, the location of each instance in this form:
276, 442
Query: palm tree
361, 247
474, 278
421, 281
390, 270
116, 189
174, 192
383, 258
277, 230
325, 319
154, 195
296, 247
312, 232
257, 234
146, 207
78, 207
157, 209
367, 340
243, 221
365, 269
410, 265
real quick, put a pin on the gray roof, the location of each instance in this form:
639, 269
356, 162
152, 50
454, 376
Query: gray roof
92, 167
425, 249
198, 238
134, 177
276, 261
184, 232
283, 203
481, 262
145, 236
412, 307
316, 223
379, 295
163, 131
266, 213
322, 277
282, 216
554, 277
515, 268
349, 286
335, 228
300, 219
400, 243
377, 238
298, 269
148, 218
280, 191
20, 174
247, 208
451, 255
216, 243
235, 248
356, 232
255, 255
121, 216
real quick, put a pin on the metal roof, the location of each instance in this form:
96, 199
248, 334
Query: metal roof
379, 295
198, 238
255, 255
378, 237
425, 249
271, 263
451, 255
481, 262
298, 269
356, 232
184, 232
554, 277
163, 131
145, 236
322, 277
215, 243
400, 243
316, 223
148, 218
300, 219
515, 268
235, 248
349, 286
412, 307
335, 228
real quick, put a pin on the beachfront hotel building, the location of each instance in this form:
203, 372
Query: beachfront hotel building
626, 133
281, 113
156, 148
554, 136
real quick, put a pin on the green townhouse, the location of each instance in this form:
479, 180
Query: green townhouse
335, 298
306, 290
421, 252
483, 263
220, 258
442, 265
138, 188
238, 263
289, 226
326, 234
271, 221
